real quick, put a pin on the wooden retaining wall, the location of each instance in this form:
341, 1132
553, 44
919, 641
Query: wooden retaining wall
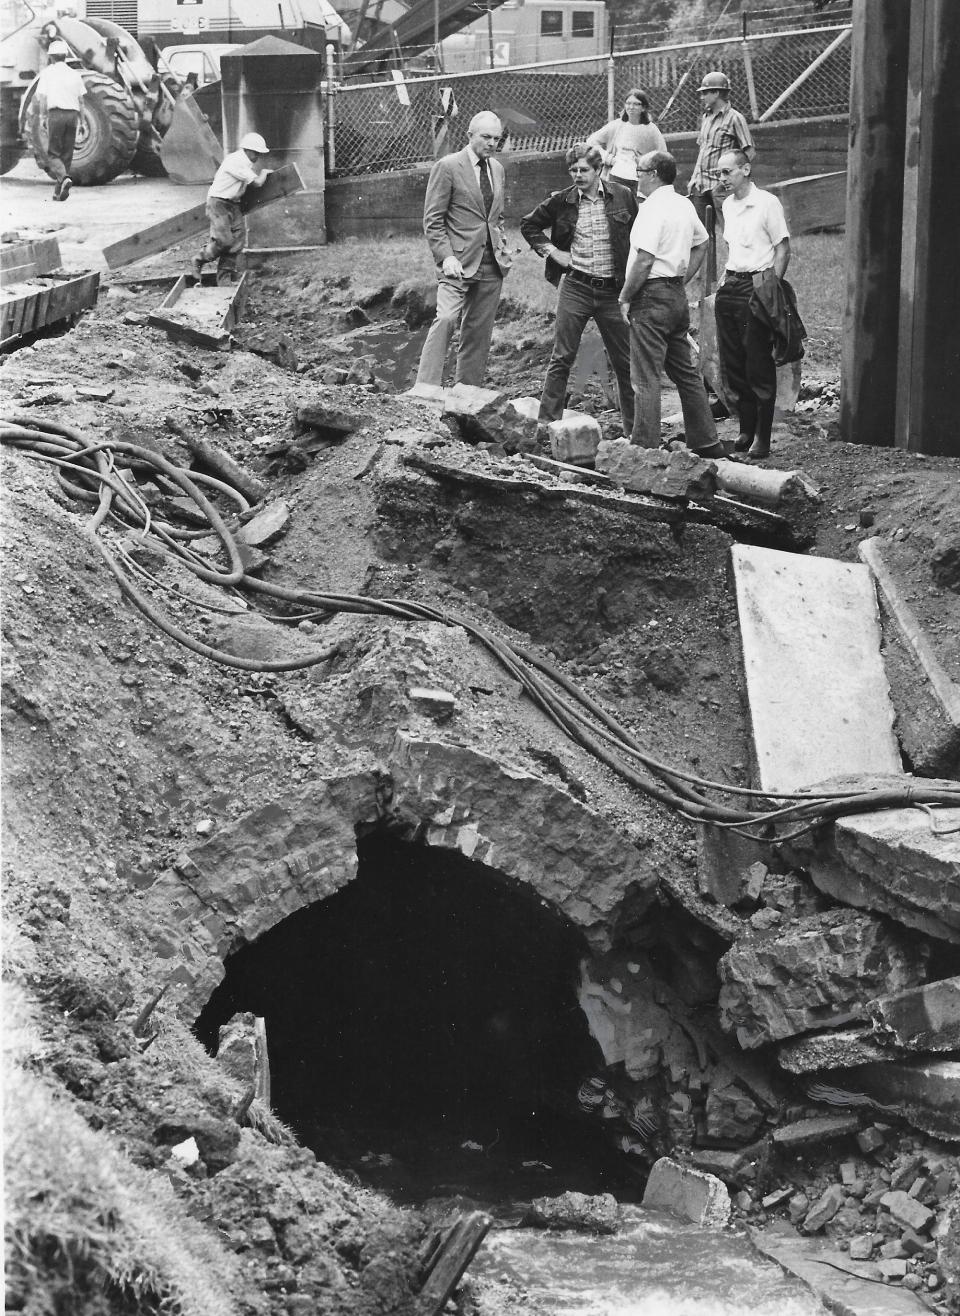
387, 205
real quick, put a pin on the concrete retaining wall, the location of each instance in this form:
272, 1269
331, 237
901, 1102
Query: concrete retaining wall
388, 205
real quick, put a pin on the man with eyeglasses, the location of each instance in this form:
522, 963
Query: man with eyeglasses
667, 247
586, 258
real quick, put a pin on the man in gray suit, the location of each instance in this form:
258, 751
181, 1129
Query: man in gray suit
463, 223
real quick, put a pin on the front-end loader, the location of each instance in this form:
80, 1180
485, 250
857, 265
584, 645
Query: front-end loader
126, 110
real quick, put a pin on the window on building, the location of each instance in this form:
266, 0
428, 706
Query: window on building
583, 22
551, 22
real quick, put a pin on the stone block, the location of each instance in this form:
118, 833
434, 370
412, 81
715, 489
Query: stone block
871, 1140
440, 704
268, 525
483, 415
861, 1247
724, 860
328, 417
814, 1132
815, 971
907, 1211
596, 1215
832, 1050
676, 473
688, 1194
893, 1269
816, 688
925, 1018
925, 1092
824, 1209
575, 440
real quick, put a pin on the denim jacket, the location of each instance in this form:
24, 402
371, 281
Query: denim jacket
560, 212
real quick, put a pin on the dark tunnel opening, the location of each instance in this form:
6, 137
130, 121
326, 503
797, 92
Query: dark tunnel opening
423, 1029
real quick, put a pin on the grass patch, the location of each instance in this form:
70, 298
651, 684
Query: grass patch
88, 1232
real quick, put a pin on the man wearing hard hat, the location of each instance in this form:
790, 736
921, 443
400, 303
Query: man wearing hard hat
237, 172
722, 129
59, 94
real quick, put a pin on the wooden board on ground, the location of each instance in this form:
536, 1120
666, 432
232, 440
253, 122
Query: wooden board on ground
169, 232
25, 260
27, 307
814, 202
201, 316
448, 1259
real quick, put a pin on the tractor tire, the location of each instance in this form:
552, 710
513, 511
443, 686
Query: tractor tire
106, 137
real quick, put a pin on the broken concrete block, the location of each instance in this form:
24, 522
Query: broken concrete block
813, 972
925, 1018
482, 415
438, 703
907, 1211
732, 1115
676, 473
723, 862
816, 686
597, 1215
925, 1093
688, 1194
833, 1050
327, 417
861, 1247
776, 1198
93, 394
824, 1209
813, 1132
268, 525
890, 861
575, 440
870, 1140
892, 1269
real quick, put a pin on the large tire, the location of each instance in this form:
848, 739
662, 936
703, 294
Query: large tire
106, 138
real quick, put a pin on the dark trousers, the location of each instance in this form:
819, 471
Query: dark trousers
746, 352
659, 321
577, 305
61, 140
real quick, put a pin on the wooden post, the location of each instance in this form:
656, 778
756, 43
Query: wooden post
874, 215
929, 345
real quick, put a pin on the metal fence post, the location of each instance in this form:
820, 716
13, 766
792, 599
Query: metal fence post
748, 73
611, 71
331, 112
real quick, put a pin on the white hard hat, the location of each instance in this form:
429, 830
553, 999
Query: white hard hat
58, 49
254, 142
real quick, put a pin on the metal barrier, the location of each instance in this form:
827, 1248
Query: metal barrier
396, 123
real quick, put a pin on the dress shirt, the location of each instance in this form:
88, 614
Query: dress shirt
752, 228
591, 251
667, 227
60, 86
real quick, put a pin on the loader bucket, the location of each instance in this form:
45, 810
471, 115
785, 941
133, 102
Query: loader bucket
190, 151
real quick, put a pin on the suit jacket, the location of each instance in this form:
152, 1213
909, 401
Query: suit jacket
454, 221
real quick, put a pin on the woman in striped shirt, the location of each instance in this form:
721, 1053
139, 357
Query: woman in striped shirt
624, 140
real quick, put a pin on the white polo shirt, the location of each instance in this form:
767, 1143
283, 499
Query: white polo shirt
667, 227
60, 86
752, 228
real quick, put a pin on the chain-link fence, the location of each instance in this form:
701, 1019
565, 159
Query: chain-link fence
547, 107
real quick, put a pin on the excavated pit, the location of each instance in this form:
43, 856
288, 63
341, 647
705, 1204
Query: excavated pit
423, 1028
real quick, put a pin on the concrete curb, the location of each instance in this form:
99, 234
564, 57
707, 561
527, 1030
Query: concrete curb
946, 690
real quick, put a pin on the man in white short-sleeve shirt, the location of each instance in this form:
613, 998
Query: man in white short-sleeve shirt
756, 233
60, 91
667, 247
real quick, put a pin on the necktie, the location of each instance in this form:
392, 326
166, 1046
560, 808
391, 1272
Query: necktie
486, 189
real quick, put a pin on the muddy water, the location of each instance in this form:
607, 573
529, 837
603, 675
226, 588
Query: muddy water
395, 350
655, 1266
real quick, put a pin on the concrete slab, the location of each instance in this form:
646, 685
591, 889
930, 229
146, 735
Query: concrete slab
845, 1287
901, 862
817, 692
689, 1194
924, 1019
925, 1092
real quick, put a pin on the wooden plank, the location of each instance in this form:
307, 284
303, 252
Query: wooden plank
447, 1263
198, 315
24, 260
169, 232
26, 307
815, 202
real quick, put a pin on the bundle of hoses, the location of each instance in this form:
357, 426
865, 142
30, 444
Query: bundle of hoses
89, 472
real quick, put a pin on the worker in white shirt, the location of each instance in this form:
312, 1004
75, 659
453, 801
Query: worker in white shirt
237, 172
59, 93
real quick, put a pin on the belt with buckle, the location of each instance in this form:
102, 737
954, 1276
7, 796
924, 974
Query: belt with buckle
591, 280
742, 274
665, 278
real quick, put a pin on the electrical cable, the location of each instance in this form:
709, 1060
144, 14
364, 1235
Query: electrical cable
94, 478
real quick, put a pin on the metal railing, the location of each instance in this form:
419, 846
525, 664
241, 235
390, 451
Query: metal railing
395, 123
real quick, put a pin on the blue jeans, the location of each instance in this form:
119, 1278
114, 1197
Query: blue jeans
577, 305
659, 321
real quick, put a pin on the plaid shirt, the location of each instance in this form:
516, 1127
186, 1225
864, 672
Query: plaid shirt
591, 251
724, 130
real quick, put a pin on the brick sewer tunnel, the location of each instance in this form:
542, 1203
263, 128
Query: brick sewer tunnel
432, 999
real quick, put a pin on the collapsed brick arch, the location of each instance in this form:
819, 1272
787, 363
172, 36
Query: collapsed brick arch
302, 847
